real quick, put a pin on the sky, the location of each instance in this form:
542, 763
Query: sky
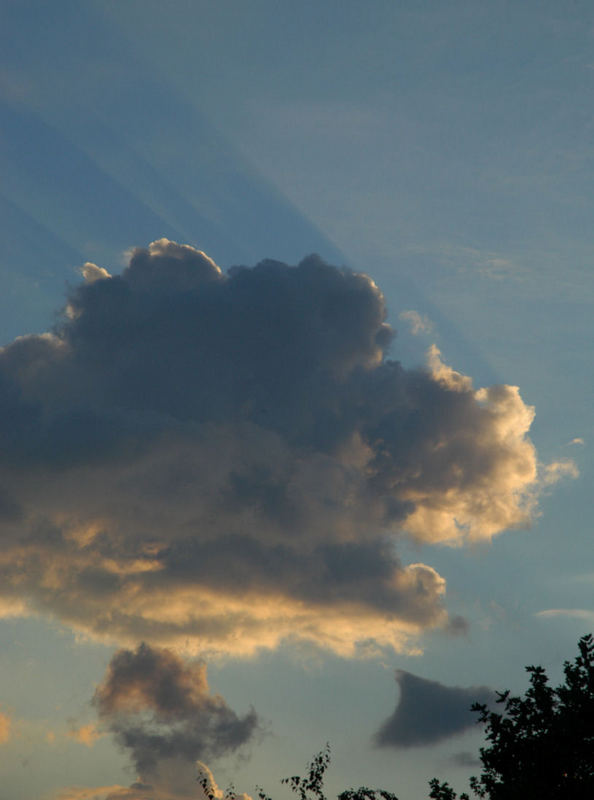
295, 376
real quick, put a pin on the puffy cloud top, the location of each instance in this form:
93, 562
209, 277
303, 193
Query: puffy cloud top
227, 459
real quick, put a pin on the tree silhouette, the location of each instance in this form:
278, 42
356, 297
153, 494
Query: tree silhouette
540, 747
311, 785
308, 787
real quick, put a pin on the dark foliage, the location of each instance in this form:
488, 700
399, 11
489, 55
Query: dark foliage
309, 786
540, 746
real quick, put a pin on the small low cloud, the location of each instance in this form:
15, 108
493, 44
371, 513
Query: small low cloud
137, 791
577, 441
419, 323
144, 791
91, 272
113, 792
429, 712
86, 734
162, 714
5, 727
557, 470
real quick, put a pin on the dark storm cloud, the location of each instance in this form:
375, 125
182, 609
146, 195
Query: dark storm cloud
428, 712
226, 459
160, 710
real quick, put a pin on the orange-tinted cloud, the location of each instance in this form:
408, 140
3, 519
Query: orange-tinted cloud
86, 734
5, 727
114, 792
227, 460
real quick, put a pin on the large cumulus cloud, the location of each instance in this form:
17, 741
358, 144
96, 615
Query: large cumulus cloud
225, 460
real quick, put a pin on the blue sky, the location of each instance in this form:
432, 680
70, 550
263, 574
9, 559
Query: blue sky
444, 150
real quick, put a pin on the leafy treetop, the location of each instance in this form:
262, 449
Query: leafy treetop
540, 747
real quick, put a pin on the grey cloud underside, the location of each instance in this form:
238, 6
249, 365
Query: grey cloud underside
229, 434
167, 345
465, 759
428, 712
161, 712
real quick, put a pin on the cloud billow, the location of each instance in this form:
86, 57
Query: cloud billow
226, 460
161, 713
160, 709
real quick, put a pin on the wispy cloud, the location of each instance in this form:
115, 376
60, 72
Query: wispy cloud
419, 323
471, 260
557, 470
571, 613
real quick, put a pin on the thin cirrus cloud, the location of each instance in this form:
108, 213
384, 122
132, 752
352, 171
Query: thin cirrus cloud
570, 613
429, 712
224, 461
419, 323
